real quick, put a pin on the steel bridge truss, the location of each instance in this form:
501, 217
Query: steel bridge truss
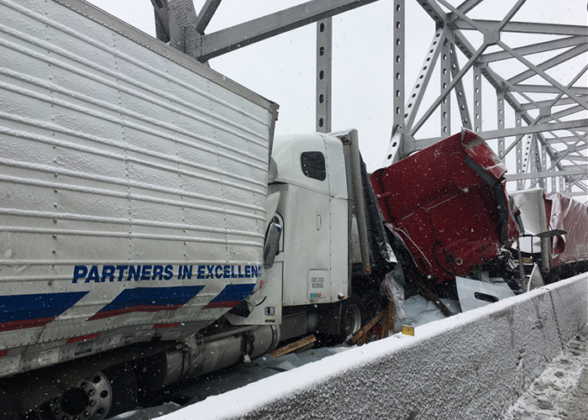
541, 122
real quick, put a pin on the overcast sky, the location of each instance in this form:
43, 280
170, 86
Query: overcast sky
282, 68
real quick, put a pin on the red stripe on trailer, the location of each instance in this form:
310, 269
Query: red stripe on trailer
138, 308
227, 304
171, 325
3, 353
82, 338
26, 323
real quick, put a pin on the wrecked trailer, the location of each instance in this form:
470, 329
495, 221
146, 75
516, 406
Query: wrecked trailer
447, 208
555, 233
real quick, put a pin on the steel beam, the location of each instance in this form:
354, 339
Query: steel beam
519, 152
399, 142
575, 158
206, 14
238, 36
579, 171
434, 10
518, 131
161, 19
465, 7
559, 102
499, 83
422, 81
477, 99
445, 81
576, 90
575, 194
399, 64
462, 103
568, 139
539, 166
523, 27
500, 121
536, 48
555, 61
544, 75
456, 80
324, 64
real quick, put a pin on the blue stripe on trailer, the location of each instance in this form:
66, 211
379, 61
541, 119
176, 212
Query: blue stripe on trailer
148, 299
231, 295
36, 310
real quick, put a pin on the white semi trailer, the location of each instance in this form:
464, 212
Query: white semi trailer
150, 230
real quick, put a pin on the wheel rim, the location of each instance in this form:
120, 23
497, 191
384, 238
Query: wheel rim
351, 319
89, 399
371, 309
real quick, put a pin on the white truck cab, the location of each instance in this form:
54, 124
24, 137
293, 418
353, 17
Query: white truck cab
321, 269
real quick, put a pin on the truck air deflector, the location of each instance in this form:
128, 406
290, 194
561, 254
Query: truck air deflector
36, 310
148, 299
230, 296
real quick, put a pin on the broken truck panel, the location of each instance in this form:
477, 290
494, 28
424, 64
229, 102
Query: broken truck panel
474, 294
449, 204
567, 214
560, 223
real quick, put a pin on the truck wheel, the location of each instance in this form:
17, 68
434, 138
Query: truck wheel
123, 383
89, 399
350, 317
372, 304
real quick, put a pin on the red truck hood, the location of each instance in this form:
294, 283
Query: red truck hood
449, 204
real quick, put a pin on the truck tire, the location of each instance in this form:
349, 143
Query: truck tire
372, 305
90, 399
351, 317
123, 382
7, 409
338, 321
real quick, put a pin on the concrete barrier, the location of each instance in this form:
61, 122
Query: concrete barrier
470, 366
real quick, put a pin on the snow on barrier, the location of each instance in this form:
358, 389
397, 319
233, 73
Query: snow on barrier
472, 365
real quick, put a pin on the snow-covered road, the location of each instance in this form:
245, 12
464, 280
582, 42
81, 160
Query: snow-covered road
561, 392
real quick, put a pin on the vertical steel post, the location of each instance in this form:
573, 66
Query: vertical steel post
324, 63
538, 165
500, 121
543, 181
519, 152
398, 69
398, 147
477, 99
460, 95
445, 81
527, 167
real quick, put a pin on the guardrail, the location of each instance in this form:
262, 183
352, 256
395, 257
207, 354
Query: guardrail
472, 365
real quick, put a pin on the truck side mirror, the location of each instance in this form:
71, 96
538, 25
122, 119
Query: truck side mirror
272, 243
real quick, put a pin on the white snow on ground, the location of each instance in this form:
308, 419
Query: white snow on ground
259, 393
420, 311
561, 392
